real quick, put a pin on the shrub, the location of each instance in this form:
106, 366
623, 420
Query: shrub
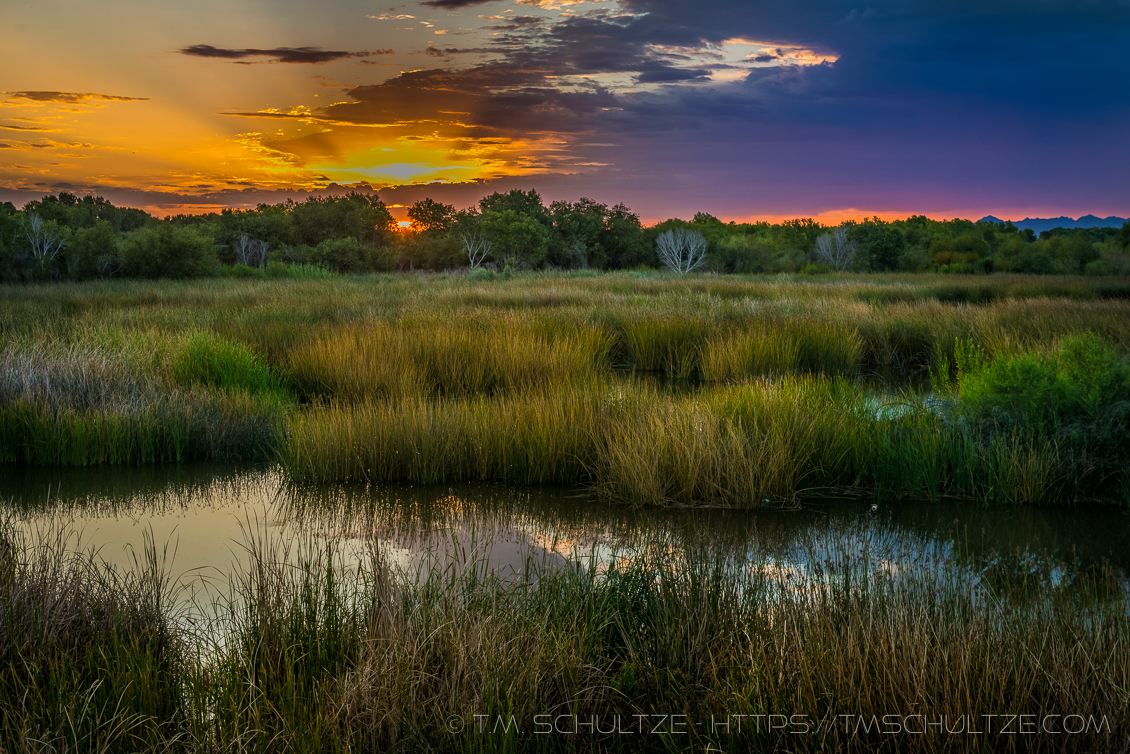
93, 252
1039, 391
1097, 268
242, 272
342, 254
168, 251
351, 255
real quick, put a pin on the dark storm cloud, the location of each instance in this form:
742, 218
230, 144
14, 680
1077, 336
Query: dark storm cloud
898, 62
454, 4
966, 96
435, 52
665, 75
310, 55
70, 98
488, 100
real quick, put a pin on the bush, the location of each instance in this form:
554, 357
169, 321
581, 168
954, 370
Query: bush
1040, 391
242, 272
351, 256
93, 252
1098, 268
1033, 263
168, 251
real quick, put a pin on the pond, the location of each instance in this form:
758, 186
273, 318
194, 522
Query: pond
204, 518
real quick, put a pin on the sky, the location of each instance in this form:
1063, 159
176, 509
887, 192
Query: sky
746, 109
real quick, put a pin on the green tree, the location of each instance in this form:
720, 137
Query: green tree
93, 252
71, 211
165, 250
624, 242
526, 203
430, 216
878, 244
360, 216
799, 234
577, 239
515, 237
9, 255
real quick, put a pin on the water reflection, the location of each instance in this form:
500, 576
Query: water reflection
207, 514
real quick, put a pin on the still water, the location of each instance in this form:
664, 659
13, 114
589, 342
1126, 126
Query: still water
203, 519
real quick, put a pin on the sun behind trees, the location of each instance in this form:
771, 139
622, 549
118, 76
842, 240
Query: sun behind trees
67, 238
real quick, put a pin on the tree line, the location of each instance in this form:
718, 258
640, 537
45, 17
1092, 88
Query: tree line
64, 237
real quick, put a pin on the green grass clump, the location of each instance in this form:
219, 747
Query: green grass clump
209, 360
669, 345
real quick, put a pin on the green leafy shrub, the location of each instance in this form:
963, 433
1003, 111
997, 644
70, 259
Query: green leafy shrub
168, 251
1041, 390
241, 272
1098, 268
352, 255
93, 252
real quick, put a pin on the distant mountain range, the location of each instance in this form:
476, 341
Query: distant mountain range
1040, 223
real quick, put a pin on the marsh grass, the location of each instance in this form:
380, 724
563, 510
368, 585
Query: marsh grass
208, 360
324, 651
759, 444
90, 658
424, 377
81, 406
399, 360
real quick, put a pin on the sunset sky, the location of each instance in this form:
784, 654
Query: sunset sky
741, 108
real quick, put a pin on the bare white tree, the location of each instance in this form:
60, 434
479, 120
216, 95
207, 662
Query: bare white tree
682, 250
46, 240
251, 251
836, 249
475, 245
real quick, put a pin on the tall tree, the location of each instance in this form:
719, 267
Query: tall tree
430, 216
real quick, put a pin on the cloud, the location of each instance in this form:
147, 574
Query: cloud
70, 98
9, 127
454, 4
309, 55
762, 95
516, 22
435, 52
667, 75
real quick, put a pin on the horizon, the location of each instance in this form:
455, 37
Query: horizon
830, 219
747, 111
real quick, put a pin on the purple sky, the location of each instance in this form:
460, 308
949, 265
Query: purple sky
741, 108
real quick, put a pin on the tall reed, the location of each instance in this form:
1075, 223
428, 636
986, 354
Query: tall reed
90, 658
